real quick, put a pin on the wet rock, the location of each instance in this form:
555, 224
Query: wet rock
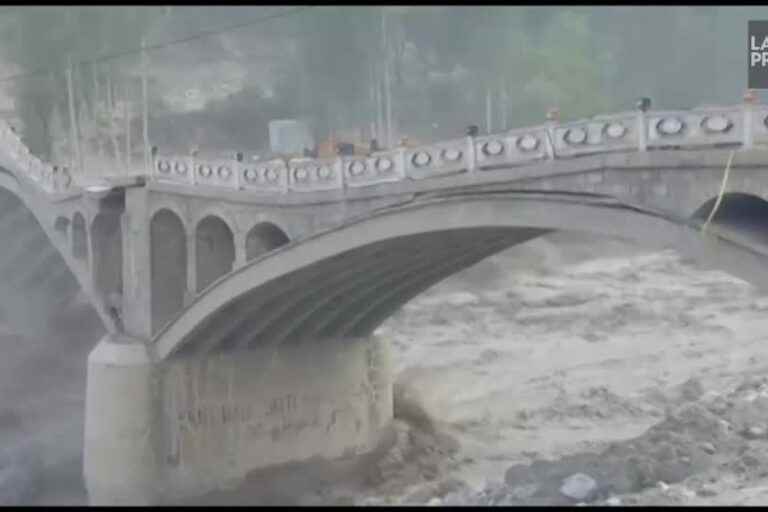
579, 487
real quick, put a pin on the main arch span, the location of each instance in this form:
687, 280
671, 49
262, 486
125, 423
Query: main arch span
345, 281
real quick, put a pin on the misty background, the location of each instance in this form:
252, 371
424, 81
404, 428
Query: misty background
218, 75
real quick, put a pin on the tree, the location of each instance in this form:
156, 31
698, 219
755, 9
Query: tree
45, 38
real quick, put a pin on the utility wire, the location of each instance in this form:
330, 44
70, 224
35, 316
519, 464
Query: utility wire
158, 46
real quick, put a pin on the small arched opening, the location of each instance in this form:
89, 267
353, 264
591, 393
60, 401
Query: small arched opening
168, 272
61, 226
263, 238
79, 238
107, 240
215, 248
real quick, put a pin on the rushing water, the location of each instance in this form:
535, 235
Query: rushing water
559, 345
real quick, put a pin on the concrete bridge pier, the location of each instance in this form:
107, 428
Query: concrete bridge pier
164, 432
120, 452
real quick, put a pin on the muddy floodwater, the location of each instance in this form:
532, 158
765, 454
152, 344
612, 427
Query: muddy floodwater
531, 378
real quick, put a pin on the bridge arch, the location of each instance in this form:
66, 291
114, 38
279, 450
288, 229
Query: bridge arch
107, 250
176, 207
346, 281
168, 266
79, 237
214, 250
61, 226
263, 238
215, 211
734, 205
744, 215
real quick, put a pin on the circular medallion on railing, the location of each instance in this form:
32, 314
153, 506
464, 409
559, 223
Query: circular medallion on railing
324, 172
205, 171
451, 154
384, 165
357, 168
670, 126
224, 172
614, 130
716, 124
163, 166
493, 148
421, 159
300, 174
181, 168
575, 136
271, 175
251, 175
527, 142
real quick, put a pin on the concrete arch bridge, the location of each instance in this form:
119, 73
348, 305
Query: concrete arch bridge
241, 299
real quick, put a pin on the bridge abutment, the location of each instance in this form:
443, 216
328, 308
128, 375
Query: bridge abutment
166, 432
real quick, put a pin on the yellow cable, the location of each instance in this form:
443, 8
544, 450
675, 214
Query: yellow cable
720, 195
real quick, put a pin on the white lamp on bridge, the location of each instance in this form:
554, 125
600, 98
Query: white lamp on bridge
643, 104
553, 115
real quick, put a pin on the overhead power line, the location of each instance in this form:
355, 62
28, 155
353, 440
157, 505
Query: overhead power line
159, 46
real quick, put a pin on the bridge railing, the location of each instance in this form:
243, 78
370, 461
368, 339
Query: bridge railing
705, 127
736, 126
27, 166
614, 132
708, 127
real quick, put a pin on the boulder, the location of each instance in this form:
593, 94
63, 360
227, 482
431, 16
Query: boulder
579, 487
